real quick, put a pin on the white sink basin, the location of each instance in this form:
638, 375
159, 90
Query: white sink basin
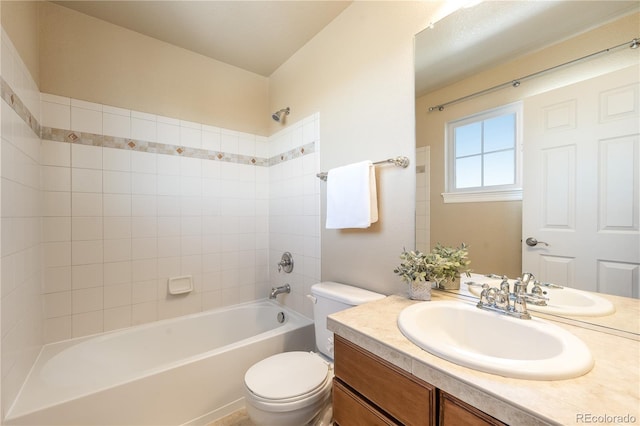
564, 301
494, 343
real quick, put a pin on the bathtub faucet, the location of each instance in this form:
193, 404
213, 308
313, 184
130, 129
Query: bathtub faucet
279, 290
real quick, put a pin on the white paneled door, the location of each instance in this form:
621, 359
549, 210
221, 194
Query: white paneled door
581, 182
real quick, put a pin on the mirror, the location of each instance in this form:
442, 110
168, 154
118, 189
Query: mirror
482, 47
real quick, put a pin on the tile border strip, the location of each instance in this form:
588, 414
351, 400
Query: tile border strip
106, 141
14, 101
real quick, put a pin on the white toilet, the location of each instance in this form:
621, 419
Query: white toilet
293, 388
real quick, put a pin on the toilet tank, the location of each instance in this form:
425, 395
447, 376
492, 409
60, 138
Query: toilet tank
330, 297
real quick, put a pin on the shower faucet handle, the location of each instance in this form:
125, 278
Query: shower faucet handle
286, 263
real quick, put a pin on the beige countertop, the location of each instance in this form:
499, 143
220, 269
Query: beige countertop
611, 388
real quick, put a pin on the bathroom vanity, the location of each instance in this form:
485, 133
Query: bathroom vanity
368, 390
381, 378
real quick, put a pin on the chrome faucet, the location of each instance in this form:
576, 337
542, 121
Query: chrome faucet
536, 296
526, 279
520, 299
504, 302
279, 290
514, 303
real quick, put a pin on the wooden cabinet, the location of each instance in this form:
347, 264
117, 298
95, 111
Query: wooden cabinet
369, 391
389, 390
454, 412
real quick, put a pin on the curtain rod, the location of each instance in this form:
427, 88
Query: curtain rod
633, 44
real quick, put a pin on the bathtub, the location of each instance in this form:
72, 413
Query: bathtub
184, 370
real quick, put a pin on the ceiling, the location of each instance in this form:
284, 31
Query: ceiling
257, 36
493, 32
261, 35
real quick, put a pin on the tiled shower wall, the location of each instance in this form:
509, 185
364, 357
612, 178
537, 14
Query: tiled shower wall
21, 217
294, 211
131, 199
118, 221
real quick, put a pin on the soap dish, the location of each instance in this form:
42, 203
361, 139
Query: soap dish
180, 285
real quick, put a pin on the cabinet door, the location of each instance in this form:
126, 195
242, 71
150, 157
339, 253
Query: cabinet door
404, 397
351, 410
454, 412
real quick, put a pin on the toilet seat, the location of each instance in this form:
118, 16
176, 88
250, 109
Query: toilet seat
288, 377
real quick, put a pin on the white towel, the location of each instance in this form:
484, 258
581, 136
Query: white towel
352, 201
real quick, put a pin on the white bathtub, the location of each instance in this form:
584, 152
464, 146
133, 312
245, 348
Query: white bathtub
187, 369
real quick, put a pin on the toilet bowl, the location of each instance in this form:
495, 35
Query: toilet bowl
294, 388
288, 389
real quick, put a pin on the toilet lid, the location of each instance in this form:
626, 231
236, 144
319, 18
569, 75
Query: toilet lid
286, 375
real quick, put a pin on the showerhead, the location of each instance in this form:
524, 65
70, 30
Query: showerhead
278, 115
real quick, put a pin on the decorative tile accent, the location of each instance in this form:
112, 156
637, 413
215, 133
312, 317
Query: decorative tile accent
115, 142
56, 135
18, 106
84, 138
92, 139
293, 154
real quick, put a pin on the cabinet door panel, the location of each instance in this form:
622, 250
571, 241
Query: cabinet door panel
454, 412
407, 399
351, 410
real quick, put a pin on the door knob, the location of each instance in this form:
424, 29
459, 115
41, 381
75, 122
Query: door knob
532, 242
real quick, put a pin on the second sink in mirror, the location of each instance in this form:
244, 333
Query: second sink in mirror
562, 301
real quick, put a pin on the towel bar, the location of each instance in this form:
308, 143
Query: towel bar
396, 161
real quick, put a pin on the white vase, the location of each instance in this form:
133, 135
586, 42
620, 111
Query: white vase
420, 290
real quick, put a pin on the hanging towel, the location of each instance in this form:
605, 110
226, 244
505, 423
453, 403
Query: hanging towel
352, 201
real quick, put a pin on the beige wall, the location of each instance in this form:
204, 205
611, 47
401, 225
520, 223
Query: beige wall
89, 59
358, 74
493, 230
20, 21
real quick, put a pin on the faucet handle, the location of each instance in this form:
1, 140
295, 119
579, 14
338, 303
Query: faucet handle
504, 285
484, 293
520, 304
286, 263
527, 277
502, 298
519, 287
536, 289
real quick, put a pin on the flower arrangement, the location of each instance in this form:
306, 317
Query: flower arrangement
441, 265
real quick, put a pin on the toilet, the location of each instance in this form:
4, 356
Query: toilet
294, 388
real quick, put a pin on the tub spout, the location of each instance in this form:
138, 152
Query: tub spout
279, 290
